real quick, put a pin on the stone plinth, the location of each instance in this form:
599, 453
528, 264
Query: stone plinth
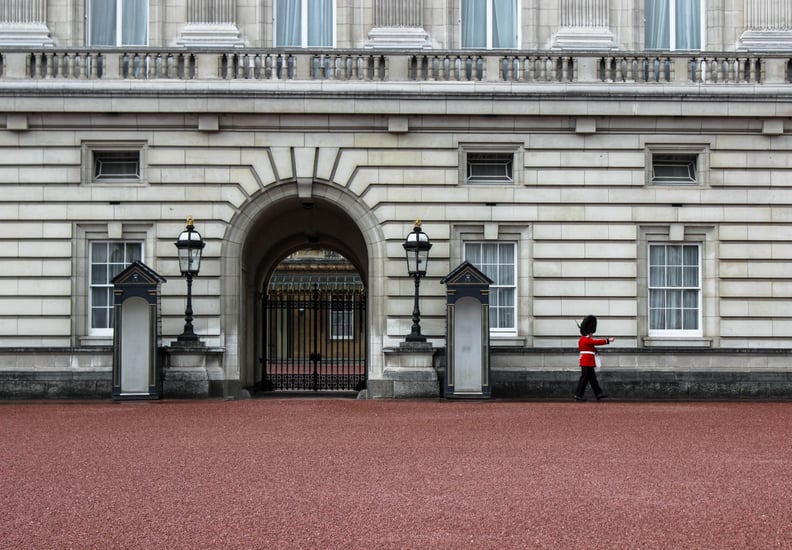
409, 373
193, 373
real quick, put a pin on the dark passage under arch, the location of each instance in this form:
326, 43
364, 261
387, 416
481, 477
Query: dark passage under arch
314, 325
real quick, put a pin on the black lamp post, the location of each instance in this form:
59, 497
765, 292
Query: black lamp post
190, 246
416, 248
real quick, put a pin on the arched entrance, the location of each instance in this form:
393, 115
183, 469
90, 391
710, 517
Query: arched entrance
278, 222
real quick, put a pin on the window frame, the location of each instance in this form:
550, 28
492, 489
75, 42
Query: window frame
304, 26
516, 4
682, 332
663, 151
106, 331
514, 150
346, 314
119, 35
89, 153
672, 27
496, 286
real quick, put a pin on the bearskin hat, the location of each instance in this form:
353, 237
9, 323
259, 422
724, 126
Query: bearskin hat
588, 325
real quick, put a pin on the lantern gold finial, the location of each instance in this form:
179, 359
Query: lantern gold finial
418, 222
190, 220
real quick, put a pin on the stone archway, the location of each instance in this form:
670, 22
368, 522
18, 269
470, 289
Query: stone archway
278, 221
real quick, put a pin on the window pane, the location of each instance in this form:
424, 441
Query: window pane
99, 274
657, 255
116, 252
133, 253
690, 299
474, 21
657, 276
679, 169
99, 252
103, 23
134, 22
688, 25
288, 20
656, 310
100, 297
690, 319
320, 23
113, 165
99, 318
656, 24
504, 24
473, 253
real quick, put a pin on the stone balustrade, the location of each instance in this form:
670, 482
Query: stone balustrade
396, 66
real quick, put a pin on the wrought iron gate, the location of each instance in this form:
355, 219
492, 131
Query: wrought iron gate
314, 338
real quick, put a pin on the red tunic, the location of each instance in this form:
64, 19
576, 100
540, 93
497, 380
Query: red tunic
587, 344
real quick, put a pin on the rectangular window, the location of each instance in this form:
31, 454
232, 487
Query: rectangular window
116, 165
305, 23
117, 22
489, 24
674, 168
673, 24
107, 259
490, 167
674, 290
342, 318
112, 162
498, 261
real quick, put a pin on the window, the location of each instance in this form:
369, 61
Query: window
113, 162
497, 260
489, 23
342, 318
117, 22
304, 23
489, 167
491, 163
116, 165
674, 289
107, 259
677, 163
669, 168
673, 24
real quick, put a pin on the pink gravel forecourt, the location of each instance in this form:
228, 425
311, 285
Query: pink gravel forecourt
333, 473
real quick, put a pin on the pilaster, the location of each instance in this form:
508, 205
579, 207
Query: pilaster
768, 25
585, 25
398, 24
211, 23
24, 23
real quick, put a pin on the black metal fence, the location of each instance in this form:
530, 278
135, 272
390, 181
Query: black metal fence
314, 338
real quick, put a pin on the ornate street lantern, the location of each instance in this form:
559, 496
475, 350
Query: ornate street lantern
190, 246
416, 249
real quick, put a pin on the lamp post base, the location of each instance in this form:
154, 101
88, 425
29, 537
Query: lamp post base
187, 341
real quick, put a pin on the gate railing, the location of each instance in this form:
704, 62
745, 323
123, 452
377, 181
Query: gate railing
314, 339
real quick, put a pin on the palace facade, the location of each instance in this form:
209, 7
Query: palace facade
623, 158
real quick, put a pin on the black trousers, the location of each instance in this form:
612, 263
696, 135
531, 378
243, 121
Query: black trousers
587, 376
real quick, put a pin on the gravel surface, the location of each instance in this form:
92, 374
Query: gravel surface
330, 473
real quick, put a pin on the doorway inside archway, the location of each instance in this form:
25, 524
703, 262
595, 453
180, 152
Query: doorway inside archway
314, 324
